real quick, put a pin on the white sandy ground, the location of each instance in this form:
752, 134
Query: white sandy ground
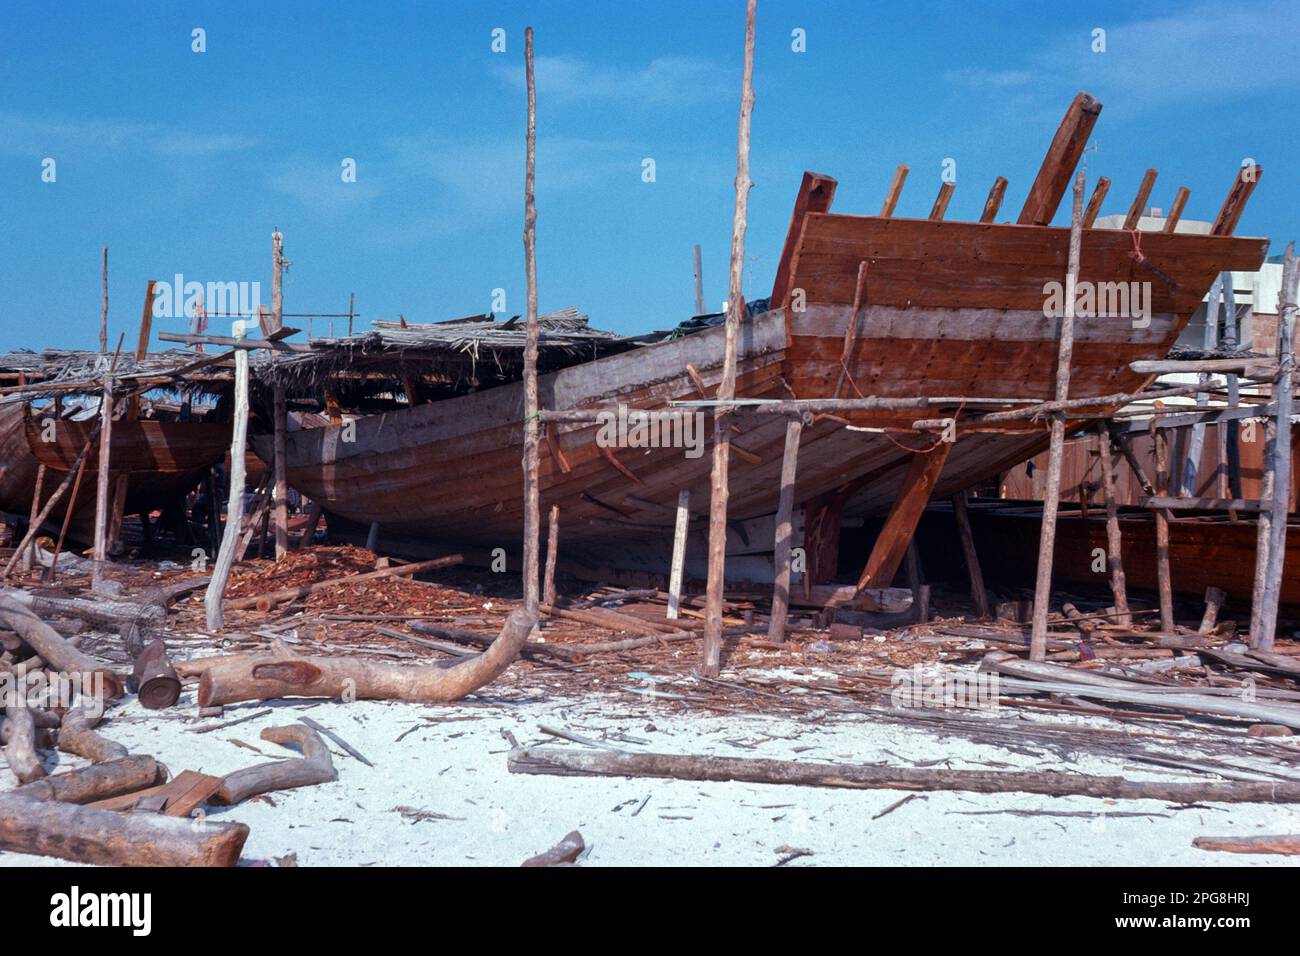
455, 765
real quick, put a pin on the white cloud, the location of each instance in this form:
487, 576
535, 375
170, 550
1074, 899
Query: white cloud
664, 81
55, 136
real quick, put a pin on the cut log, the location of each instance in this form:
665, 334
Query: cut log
268, 678
562, 854
78, 736
20, 751
96, 782
614, 763
314, 766
58, 654
115, 839
1284, 845
289, 594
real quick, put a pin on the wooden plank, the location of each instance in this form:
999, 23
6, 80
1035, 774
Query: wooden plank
895, 189
941, 201
1140, 199
994, 202
887, 553
1234, 204
679, 554
1176, 210
1062, 157
815, 194
1094, 204
784, 532
1166, 502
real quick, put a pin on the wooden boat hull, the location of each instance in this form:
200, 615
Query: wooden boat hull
162, 460
1204, 551
450, 470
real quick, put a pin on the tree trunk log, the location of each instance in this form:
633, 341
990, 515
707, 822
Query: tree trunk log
51, 647
115, 839
96, 782
609, 763
274, 677
1286, 845
315, 766
78, 736
20, 751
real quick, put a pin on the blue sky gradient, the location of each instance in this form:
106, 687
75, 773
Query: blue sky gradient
185, 162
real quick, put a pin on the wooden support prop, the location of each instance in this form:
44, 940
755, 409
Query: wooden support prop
103, 307
615, 763
978, 593
1094, 203
1214, 600
532, 500
213, 612
916, 584
280, 408
107, 838
940, 207
372, 536
1283, 845
51, 573
313, 767
994, 202
678, 567
1176, 210
313, 522
1114, 538
1164, 583
1234, 204
784, 533
102, 484
34, 526
1062, 157
699, 281
1261, 638
1140, 200
710, 662
552, 553
816, 191
272, 598
895, 190
887, 553
1056, 449
27, 552
266, 678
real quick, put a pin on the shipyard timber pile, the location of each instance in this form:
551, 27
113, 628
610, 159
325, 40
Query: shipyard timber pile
898, 368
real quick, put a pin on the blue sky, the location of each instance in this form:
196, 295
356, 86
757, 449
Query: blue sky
185, 162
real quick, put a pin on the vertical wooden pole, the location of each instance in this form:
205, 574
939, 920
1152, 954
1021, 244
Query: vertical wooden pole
103, 308
372, 536
281, 410
101, 487
26, 563
352, 302
784, 532
1114, 539
1262, 639
552, 554
699, 281
711, 659
1230, 432
1052, 494
213, 612
532, 498
1196, 441
916, 583
679, 553
978, 592
1164, 582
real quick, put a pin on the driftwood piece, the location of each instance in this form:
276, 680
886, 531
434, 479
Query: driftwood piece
77, 736
115, 839
282, 676
1284, 845
51, 647
314, 766
96, 782
99, 610
562, 854
289, 594
610, 763
20, 750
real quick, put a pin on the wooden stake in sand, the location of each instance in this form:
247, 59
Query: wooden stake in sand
532, 497
103, 308
1056, 452
699, 281
712, 657
679, 554
1114, 539
280, 412
784, 532
552, 554
235, 506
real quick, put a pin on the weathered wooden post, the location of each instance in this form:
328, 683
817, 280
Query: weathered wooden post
712, 656
532, 497
552, 555
979, 594
1114, 539
784, 532
1164, 581
26, 563
281, 411
1261, 638
213, 611
102, 484
1056, 451
103, 308
679, 554
699, 281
